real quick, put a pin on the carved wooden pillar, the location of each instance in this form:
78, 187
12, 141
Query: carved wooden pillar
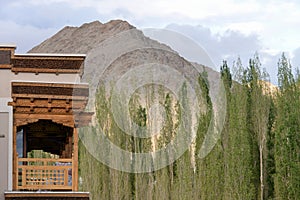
70, 141
75, 160
15, 170
24, 143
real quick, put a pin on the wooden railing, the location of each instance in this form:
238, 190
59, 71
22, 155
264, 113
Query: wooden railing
44, 174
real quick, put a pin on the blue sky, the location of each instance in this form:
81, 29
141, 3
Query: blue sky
226, 29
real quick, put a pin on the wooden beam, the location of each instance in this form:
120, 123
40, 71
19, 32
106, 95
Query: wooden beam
79, 120
45, 70
23, 119
51, 85
47, 96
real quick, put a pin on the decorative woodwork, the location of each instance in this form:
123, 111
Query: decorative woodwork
45, 174
51, 89
61, 103
50, 113
5, 57
47, 115
77, 120
39, 63
24, 121
6, 52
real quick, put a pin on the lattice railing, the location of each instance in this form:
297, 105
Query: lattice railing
44, 174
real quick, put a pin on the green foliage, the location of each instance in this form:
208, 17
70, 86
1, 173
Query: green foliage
226, 75
237, 141
270, 161
285, 76
287, 135
257, 156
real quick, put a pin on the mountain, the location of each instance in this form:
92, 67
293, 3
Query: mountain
114, 48
140, 86
145, 74
81, 39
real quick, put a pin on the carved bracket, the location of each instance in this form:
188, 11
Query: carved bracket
22, 122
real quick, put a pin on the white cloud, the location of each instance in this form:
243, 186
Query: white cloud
193, 9
247, 28
263, 17
24, 36
189, 8
274, 23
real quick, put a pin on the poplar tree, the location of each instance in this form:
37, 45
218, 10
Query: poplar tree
238, 155
287, 134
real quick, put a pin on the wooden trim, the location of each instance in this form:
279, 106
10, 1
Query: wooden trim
31, 56
71, 120
23, 119
45, 96
43, 103
68, 85
45, 187
54, 89
44, 167
5, 66
44, 174
45, 70
45, 160
35, 63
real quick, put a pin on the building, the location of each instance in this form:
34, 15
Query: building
42, 104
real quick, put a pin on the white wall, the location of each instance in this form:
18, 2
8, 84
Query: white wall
6, 77
6, 116
5, 143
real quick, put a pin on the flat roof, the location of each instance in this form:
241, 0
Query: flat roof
29, 82
8, 46
50, 55
49, 82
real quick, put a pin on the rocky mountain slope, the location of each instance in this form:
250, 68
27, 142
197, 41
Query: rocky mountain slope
114, 43
239, 164
81, 39
124, 60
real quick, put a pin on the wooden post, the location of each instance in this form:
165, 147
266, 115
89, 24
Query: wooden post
66, 180
25, 143
23, 177
15, 160
75, 161
70, 145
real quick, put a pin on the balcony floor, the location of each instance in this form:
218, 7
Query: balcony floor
46, 195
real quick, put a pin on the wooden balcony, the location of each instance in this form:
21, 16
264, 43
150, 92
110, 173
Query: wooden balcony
47, 116
45, 174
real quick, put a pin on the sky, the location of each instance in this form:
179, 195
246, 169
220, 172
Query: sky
226, 29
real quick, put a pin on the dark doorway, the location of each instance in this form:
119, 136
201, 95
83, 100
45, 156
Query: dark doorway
47, 136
